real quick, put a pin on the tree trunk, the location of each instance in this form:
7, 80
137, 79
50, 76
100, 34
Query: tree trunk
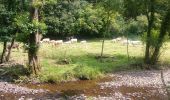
34, 40
4, 52
150, 25
9, 49
147, 51
102, 47
163, 30
127, 48
107, 31
33, 54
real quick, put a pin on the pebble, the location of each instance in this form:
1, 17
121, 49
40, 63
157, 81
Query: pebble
12, 88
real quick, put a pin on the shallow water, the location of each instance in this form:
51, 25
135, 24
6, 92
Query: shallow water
90, 88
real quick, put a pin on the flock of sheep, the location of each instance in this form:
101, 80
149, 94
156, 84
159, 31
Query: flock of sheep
125, 41
60, 42
121, 40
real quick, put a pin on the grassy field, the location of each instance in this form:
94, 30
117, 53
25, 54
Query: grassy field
81, 61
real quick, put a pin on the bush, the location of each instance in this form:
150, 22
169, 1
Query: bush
153, 39
86, 73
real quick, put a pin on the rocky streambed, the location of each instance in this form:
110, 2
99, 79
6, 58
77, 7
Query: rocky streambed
131, 85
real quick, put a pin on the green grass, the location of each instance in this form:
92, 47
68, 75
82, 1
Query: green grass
81, 61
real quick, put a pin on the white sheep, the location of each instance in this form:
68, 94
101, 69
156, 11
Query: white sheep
46, 40
83, 42
118, 39
58, 42
41, 42
73, 40
114, 40
52, 41
125, 42
136, 43
67, 42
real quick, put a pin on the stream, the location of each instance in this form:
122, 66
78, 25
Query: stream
101, 89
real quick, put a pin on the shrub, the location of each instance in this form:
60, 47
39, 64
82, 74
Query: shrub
86, 73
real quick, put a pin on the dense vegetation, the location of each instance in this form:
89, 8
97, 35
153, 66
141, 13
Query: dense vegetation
27, 21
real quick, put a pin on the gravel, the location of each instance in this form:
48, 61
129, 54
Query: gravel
138, 79
12, 88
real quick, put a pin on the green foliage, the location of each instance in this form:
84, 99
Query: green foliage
136, 27
37, 3
51, 1
71, 18
85, 72
25, 27
37, 25
111, 5
153, 39
81, 18
9, 11
6, 28
22, 22
118, 25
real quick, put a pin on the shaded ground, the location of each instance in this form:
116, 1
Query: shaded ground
139, 85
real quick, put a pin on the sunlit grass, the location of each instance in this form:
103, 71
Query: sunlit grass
84, 61
81, 61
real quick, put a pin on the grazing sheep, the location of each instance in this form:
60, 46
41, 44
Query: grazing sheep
52, 42
83, 42
114, 40
125, 42
118, 39
73, 40
58, 42
67, 42
136, 43
41, 42
46, 40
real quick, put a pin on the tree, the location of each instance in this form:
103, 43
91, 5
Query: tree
18, 7
68, 18
163, 33
153, 50
34, 36
10, 9
154, 10
147, 8
6, 18
150, 16
109, 7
